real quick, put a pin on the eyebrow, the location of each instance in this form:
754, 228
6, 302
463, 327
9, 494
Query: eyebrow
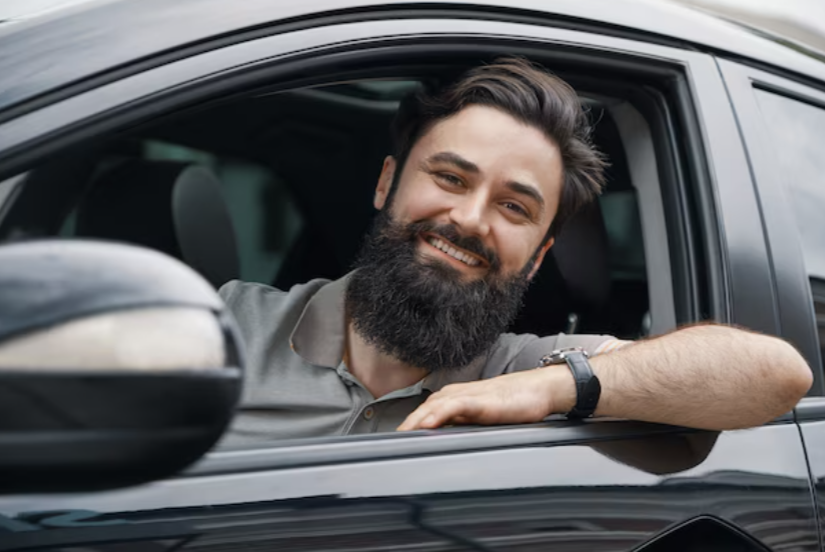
529, 191
454, 159
468, 166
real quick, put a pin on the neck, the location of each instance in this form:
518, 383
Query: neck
380, 373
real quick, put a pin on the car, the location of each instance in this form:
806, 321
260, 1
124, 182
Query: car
279, 113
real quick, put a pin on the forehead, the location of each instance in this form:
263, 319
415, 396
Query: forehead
486, 131
500, 145
489, 124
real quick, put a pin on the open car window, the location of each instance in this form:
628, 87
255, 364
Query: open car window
294, 172
297, 170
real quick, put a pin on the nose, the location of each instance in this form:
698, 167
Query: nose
470, 214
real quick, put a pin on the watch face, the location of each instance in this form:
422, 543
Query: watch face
559, 355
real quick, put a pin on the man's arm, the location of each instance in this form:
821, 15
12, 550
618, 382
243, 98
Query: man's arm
706, 376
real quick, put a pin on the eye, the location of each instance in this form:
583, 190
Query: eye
516, 208
450, 179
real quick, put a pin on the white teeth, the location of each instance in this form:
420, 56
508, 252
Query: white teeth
452, 252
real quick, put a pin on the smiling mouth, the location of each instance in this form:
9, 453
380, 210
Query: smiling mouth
449, 249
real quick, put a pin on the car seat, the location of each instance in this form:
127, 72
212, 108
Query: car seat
174, 207
573, 284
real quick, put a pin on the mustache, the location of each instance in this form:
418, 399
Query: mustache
451, 234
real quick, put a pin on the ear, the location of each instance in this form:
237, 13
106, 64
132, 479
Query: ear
540, 257
384, 182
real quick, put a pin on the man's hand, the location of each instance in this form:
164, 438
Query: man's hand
518, 398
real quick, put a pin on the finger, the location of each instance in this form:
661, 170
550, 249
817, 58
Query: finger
443, 412
411, 422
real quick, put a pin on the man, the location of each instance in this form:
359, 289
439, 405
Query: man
485, 173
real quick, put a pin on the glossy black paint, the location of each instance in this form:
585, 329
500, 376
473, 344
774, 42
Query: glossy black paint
814, 435
594, 486
792, 292
609, 495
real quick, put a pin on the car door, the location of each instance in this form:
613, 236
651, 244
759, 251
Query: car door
781, 119
594, 485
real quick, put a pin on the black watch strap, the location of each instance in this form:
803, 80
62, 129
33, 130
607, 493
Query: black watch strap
588, 387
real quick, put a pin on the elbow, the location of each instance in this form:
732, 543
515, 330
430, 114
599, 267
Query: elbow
800, 382
794, 375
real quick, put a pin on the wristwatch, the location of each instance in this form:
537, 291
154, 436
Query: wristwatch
588, 388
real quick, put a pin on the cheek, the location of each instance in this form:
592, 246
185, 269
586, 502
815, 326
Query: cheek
515, 246
418, 199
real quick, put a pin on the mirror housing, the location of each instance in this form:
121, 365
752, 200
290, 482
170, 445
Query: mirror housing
118, 365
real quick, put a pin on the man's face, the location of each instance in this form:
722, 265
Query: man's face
494, 179
445, 267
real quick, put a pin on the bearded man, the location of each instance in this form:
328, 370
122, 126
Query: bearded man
485, 172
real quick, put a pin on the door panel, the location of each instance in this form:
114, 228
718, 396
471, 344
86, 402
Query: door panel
613, 495
813, 432
795, 306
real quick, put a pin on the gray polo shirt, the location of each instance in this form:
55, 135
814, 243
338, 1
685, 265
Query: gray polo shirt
296, 384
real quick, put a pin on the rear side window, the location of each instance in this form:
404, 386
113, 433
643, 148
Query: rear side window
798, 133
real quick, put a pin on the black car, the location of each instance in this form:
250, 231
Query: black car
713, 210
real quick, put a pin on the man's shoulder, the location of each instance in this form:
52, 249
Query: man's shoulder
247, 299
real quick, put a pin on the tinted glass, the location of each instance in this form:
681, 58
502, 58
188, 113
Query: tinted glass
798, 133
797, 130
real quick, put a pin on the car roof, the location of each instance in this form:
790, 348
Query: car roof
15, 10
50, 52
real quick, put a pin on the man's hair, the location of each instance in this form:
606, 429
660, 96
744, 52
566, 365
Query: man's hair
531, 95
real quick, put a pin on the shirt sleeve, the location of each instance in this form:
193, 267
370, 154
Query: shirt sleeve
228, 290
523, 352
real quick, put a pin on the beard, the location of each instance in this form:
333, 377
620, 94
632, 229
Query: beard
423, 312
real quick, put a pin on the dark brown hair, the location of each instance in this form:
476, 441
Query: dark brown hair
528, 93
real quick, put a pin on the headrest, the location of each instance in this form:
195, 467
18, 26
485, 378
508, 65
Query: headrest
174, 207
582, 254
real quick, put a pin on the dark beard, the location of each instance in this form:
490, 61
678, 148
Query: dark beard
421, 312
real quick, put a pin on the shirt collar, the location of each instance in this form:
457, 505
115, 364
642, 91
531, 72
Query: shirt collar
319, 336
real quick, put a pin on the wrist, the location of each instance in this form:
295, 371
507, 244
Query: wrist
597, 365
561, 388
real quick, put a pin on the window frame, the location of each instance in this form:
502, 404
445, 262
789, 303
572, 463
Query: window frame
9, 189
698, 240
794, 299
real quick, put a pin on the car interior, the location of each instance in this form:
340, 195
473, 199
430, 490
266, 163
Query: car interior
276, 187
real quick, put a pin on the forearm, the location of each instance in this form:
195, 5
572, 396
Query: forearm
709, 377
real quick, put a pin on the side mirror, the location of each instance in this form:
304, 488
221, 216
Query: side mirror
118, 365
